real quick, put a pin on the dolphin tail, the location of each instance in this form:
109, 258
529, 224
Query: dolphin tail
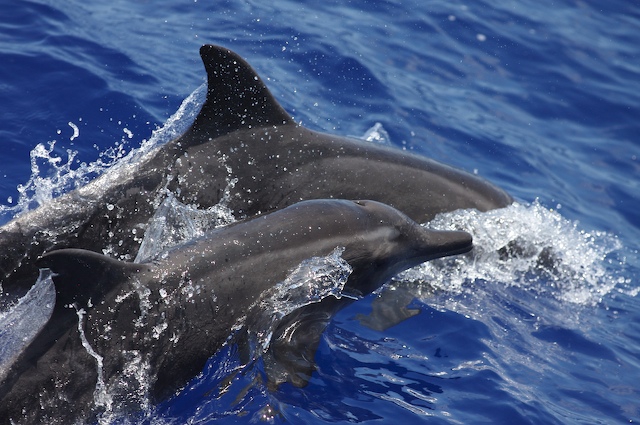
236, 96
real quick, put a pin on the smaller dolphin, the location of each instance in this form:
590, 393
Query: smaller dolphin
141, 331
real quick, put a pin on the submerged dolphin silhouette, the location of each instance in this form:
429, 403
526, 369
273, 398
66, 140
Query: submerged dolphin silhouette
240, 133
163, 320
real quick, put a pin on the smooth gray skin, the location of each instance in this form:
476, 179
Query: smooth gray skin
232, 267
276, 161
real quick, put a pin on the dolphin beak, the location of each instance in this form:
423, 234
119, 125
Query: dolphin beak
441, 243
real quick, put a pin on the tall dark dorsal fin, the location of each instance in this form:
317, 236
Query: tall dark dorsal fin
80, 275
236, 97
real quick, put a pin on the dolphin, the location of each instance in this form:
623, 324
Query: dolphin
167, 317
245, 149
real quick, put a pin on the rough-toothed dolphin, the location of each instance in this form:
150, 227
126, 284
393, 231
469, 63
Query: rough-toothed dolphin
241, 133
154, 325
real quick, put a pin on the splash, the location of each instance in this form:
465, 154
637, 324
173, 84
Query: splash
53, 175
179, 122
175, 223
310, 282
377, 134
101, 396
528, 246
21, 322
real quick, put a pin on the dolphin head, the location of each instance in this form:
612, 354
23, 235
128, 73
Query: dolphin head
379, 241
391, 242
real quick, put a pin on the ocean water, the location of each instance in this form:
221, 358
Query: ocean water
541, 98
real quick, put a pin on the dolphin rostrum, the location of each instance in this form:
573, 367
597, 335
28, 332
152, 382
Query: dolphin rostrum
122, 333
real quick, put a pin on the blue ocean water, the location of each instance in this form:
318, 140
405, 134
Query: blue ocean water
540, 97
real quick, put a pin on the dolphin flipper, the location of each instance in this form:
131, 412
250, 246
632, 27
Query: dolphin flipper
391, 306
291, 354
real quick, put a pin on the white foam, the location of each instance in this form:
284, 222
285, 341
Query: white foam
548, 254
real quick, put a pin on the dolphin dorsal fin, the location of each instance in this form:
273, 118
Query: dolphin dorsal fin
236, 97
80, 275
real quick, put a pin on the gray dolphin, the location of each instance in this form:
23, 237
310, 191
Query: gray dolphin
169, 316
241, 133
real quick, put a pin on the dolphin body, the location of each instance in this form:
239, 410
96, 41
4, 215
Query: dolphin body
169, 316
241, 133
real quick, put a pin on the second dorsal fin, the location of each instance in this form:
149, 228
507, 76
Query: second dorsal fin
81, 275
236, 96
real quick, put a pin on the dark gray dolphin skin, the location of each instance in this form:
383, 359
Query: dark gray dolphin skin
241, 133
173, 314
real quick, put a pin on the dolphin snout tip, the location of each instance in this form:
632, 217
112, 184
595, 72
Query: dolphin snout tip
443, 243
458, 240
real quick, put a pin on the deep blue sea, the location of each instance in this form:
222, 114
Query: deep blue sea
540, 97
